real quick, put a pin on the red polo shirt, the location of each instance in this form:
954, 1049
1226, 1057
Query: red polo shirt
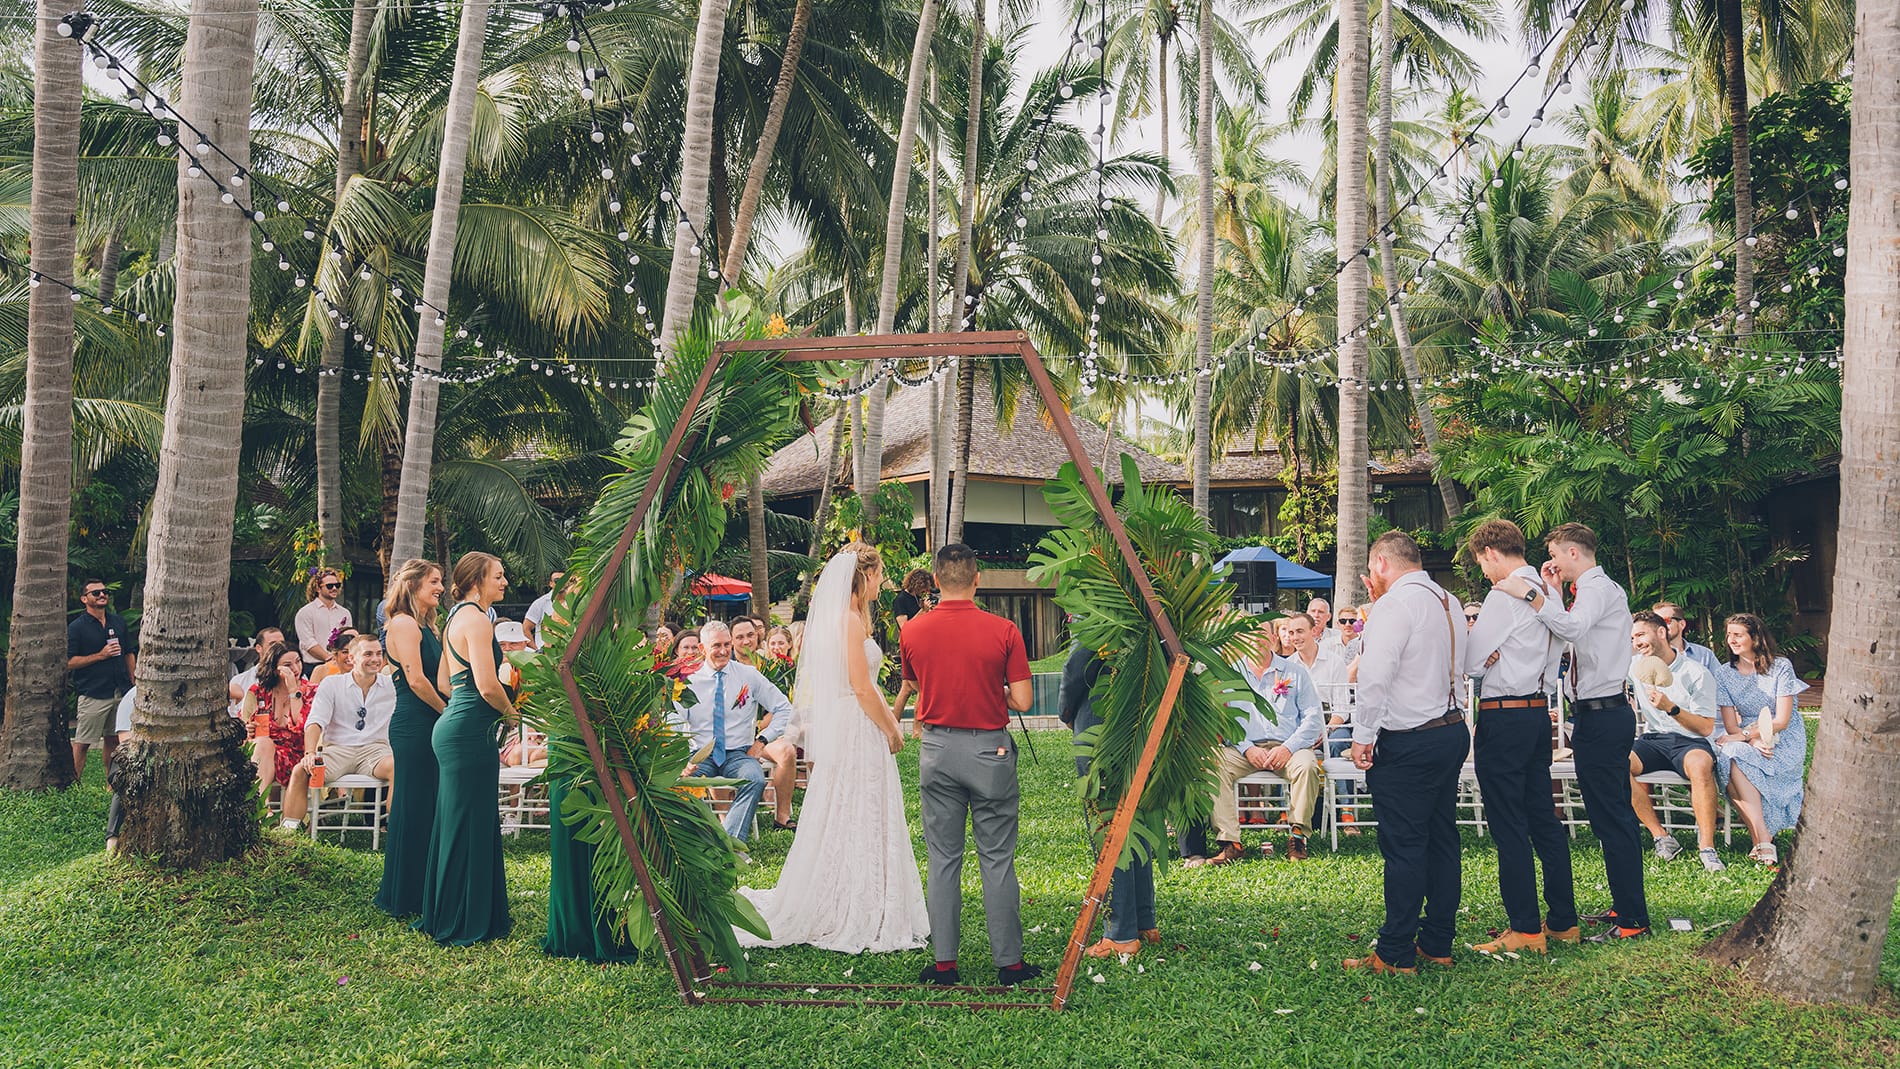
961, 657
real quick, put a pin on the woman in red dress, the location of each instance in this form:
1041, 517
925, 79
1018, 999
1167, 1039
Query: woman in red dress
283, 695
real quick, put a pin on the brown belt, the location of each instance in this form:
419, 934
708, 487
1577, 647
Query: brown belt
1447, 720
1534, 701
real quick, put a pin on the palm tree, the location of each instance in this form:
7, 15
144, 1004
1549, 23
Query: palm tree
960, 284
696, 152
33, 751
1846, 865
1424, 43
1350, 243
1388, 261
1203, 461
732, 267
903, 161
418, 454
186, 785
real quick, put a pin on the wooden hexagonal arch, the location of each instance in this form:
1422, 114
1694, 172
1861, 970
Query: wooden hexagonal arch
686, 962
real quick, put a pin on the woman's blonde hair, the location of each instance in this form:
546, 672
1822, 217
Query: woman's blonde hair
869, 560
401, 600
469, 573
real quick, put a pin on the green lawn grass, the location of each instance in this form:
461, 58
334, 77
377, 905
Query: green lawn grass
281, 960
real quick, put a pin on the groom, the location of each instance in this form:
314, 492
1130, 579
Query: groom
970, 669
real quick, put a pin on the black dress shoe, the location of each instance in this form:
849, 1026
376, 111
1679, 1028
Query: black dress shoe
1016, 974
940, 977
1617, 934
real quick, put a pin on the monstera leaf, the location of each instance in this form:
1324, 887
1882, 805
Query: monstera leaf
1095, 586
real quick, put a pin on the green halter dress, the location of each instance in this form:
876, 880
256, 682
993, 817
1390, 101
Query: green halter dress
464, 894
412, 809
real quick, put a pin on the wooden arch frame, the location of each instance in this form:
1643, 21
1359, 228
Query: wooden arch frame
689, 967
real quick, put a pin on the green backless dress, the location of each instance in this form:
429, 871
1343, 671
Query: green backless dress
411, 809
574, 930
464, 893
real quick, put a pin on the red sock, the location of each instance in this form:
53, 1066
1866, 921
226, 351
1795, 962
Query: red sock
947, 966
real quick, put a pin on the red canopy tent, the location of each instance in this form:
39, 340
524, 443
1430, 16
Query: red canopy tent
721, 588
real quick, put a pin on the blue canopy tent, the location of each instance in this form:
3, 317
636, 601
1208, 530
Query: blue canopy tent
1291, 576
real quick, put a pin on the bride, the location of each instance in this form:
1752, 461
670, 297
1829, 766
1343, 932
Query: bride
850, 881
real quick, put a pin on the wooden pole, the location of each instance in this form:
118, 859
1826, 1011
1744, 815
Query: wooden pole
1117, 836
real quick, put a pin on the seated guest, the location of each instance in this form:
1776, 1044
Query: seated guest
1276, 733
339, 662
663, 637
512, 636
1762, 744
1677, 719
778, 643
730, 696
525, 748
687, 651
282, 696
1327, 663
115, 811
745, 641
348, 727
242, 681
1351, 625
1678, 626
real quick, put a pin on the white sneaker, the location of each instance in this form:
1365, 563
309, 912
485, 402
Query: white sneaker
1711, 861
1667, 847
291, 825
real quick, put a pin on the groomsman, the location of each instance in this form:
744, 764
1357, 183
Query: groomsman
1409, 734
1602, 724
1518, 658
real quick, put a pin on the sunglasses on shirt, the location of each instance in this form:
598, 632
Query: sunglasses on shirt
362, 716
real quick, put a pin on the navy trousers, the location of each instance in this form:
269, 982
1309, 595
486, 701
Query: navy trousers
1601, 736
1131, 891
1513, 762
1414, 784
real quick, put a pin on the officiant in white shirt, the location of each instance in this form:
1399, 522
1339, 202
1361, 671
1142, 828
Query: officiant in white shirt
728, 698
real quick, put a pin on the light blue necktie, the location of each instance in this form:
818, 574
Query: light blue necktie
719, 719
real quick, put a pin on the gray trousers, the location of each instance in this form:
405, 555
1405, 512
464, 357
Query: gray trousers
970, 776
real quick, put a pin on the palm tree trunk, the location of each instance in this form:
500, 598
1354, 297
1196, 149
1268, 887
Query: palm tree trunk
418, 453
682, 282
734, 264
966, 190
1735, 75
966, 419
184, 781
1820, 929
1389, 269
823, 509
1350, 229
33, 740
1203, 446
109, 255
1161, 74
755, 536
939, 504
895, 212
349, 164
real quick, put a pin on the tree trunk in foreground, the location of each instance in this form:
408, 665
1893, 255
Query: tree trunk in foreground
1735, 74
682, 281
425, 391
185, 782
1201, 457
1817, 935
1389, 267
734, 265
1350, 228
35, 749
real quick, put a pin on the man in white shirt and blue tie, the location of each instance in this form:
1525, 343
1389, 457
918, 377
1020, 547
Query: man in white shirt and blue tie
1602, 723
1410, 737
1518, 658
729, 697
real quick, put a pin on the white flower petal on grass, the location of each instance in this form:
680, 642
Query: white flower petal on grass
847, 973
1036, 929
1512, 954
1283, 1012
1254, 966
1314, 964
1098, 978
1126, 958
1420, 1010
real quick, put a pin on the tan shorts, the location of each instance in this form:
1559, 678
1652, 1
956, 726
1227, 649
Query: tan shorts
96, 717
340, 761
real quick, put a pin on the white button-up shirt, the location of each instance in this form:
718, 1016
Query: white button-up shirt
1329, 670
335, 704
747, 692
1285, 708
1693, 691
1597, 627
1410, 671
1528, 654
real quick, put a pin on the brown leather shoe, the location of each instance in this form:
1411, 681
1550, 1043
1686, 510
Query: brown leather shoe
1515, 942
1108, 948
1571, 935
1296, 848
1229, 853
1151, 936
1376, 965
1445, 961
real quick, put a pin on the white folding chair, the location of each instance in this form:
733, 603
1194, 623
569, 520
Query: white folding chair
362, 796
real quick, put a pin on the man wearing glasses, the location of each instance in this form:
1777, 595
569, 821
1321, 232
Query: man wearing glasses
1678, 622
318, 620
102, 656
348, 728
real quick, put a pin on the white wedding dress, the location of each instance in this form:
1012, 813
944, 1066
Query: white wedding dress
850, 882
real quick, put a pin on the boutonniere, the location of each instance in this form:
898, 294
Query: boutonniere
744, 693
1282, 686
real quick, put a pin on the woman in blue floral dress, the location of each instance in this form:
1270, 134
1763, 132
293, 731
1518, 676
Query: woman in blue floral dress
1763, 776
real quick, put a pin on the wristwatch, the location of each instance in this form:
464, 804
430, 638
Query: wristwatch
1530, 596
761, 740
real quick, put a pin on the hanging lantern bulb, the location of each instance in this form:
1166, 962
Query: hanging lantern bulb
1792, 213
1717, 263
624, 235
202, 149
1537, 119
1564, 86
607, 173
1067, 90
268, 245
596, 136
633, 158
587, 92
1504, 110
573, 44
1750, 240
1533, 69
1840, 183
164, 139
613, 208
1838, 251
666, 195
195, 171
626, 127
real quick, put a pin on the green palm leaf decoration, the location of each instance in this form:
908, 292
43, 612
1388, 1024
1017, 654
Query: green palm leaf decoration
749, 410
1095, 586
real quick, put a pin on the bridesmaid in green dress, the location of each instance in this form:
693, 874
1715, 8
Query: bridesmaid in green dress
464, 892
574, 929
415, 648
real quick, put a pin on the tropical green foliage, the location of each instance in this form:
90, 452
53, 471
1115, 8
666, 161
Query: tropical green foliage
1095, 586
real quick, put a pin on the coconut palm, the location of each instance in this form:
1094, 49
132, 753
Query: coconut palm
1424, 43
33, 752
1203, 460
1353, 280
186, 785
696, 154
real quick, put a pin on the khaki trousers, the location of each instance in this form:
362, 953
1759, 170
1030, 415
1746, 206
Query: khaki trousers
1303, 777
